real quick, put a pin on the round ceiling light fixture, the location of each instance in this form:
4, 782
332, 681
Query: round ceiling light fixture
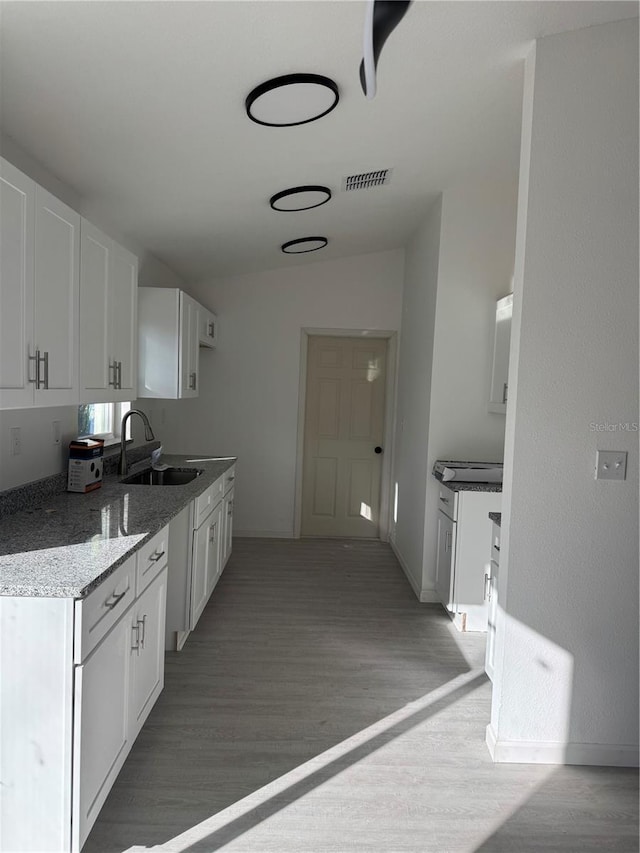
292, 99
304, 244
300, 198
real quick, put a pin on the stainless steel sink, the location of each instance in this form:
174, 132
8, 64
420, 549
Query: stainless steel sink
170, 477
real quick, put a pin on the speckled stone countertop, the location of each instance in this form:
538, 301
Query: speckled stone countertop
64, 545
461, 486
496, 517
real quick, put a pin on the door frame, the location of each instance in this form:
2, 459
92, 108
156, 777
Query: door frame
389, 419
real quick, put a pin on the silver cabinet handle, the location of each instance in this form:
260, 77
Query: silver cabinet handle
135, 643
113, 367
116, 599
487, 587
229, 479
155, 556
504, 392
192, 381
36, 358
444, 500
211, 331
447, 541
143, 622
45, 361
119, 374
40, 359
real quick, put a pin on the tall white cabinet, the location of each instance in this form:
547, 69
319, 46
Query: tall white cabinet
108, 319
39, 286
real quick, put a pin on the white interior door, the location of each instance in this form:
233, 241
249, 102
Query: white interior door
344, 427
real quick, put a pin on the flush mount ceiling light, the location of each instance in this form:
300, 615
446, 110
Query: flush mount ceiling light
292, 99
304, 244
300, 198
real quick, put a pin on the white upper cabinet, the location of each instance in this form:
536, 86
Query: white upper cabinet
39, 281
169, 329
188, 351
501, 344
208, 325
108, 319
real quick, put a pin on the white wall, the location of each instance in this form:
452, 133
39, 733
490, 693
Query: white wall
458, 264
477, 248
414, 393
40, 457
566, 685
248, 403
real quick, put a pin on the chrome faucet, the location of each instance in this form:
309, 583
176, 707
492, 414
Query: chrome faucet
148, 434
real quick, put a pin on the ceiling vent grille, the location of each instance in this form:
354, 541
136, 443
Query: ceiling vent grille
365, 180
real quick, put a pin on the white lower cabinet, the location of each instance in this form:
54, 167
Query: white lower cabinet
491, 580
147, 652
227, 519
464, 532
205, 565
102, 735
200, 546
79, 679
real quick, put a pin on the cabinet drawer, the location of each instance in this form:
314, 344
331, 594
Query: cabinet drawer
448, 502
229, 478
207, 500
151, 559
96, 614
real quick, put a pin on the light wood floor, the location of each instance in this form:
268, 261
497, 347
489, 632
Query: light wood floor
319, 708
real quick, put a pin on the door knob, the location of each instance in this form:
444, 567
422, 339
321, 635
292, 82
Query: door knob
377, 449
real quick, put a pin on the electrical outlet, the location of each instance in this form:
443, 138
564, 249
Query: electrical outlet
611, 465
16, 441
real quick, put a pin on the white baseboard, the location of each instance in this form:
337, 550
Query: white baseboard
549, 752
427, 595
263, 534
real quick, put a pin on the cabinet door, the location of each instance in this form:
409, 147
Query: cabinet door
17, 234
492, 594
147, 651
228, 527
214, 556
205, 563
97, 364
123, 321
101, 726
189, 346
208, 328
445, 561
57, 278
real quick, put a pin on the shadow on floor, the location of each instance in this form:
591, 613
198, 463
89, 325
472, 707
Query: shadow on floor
573, 811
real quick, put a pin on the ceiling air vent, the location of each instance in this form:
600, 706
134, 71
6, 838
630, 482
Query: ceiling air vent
366, 180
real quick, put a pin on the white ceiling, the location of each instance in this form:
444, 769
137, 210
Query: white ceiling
139, 107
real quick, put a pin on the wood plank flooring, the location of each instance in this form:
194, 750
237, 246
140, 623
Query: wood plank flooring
319, 708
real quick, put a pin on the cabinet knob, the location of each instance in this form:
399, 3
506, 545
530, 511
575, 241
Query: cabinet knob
377, 449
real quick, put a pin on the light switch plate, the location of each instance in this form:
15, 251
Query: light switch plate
611, 464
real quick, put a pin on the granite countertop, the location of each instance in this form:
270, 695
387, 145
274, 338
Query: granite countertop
65, 545
496, 517
461, 486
